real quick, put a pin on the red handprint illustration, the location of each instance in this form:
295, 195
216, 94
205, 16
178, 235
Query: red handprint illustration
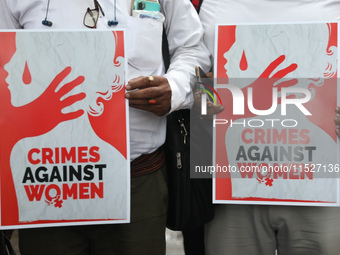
262, 89
44, 113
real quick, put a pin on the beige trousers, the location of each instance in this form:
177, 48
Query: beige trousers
260, 230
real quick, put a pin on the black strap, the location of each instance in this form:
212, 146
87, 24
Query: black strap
5, 245
165, 45
165, 51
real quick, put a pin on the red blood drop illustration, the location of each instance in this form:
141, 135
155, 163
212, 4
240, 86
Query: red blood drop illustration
26, 76
243, 62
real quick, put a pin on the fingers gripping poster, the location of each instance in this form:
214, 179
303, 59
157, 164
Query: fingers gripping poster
275, 141
64, 149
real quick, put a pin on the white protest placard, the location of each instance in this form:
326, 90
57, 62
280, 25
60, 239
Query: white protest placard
275, 142
64, 147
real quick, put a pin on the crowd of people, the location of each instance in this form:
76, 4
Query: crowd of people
152, 94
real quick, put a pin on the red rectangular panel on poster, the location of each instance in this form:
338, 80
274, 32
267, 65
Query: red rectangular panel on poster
64, 146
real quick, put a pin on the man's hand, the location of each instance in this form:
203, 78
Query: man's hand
149, 93
211, 108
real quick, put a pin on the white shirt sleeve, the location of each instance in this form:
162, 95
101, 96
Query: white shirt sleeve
184, 33
7, 21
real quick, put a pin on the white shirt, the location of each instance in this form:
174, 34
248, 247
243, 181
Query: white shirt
143, 49
261, 11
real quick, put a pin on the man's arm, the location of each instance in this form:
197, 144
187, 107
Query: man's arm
185, 38
7, 21
163, 94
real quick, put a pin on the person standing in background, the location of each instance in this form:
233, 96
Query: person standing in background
152, 94
266, 229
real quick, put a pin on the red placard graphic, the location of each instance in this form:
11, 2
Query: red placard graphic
63, 144
275, 142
